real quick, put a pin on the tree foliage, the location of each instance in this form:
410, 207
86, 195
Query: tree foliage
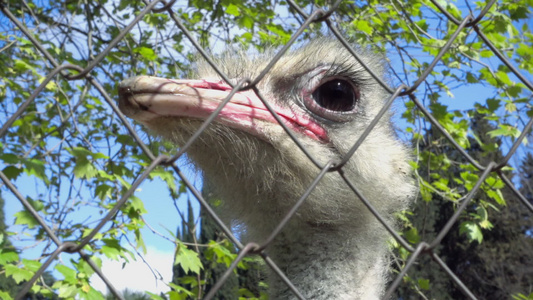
490, 260
217, 253
9, 285
72, 147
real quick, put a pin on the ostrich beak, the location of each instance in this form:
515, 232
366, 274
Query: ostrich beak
146, 98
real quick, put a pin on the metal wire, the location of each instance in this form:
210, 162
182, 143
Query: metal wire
318, 15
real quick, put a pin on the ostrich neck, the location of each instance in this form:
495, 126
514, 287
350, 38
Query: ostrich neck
332, 248
329, 264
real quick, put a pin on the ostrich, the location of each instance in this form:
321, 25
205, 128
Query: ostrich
333, 247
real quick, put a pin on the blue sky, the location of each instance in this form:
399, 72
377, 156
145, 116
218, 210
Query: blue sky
161, 216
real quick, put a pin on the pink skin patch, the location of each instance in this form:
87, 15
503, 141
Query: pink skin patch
153, 97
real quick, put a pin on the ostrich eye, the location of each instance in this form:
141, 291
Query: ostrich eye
334, 99
336, 95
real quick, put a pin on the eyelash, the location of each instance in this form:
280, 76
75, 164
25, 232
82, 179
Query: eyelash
338, 99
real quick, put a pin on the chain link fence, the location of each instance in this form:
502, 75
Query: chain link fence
69, 72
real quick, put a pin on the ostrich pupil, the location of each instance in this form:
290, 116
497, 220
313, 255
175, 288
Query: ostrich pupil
336, 95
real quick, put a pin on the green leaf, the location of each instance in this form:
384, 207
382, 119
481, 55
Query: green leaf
441, 185
22, 66
155, 296
147, 53
246, 22
51, 85
470, 179
363, 26
179, 292
84, 168
220, 252
18, 274
111, 249
412, 235
495, 182
425, 191
81, 152
510, 107
472, 231
66, 290
36, 167
9, 158
504, 78
103, 191
91, 293
233, 10
497, 196
524, 50
188, 260
12, 172
493, 104
38, 205
470, 78
504, 130
32, 265
137, 204
7, 256
521, 296
424, 284
166, 175
486, 53
68, 273
5, 296
25, 218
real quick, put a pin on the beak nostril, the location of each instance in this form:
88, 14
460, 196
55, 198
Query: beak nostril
124, 91
145, 98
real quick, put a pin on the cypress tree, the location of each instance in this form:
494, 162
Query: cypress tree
7, 284
499, 266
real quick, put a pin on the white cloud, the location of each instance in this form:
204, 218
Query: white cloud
137, 275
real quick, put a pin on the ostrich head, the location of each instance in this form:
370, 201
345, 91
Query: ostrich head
333, 248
